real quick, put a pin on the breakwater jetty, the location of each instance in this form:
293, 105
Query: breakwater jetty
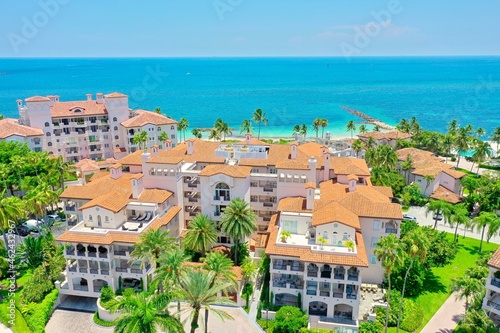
368, 119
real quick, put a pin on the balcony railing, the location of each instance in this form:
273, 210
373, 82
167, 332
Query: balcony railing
103, 255
338, 276
136, 270
120, 253
221, 198
94, 271
391, 231
82, 270
268, 204
92, 254
353, 277
72, 269
122, 269
494, 305
495, 282
104, 272
311, 292
312, 273
70, 252
80, 287
268, 189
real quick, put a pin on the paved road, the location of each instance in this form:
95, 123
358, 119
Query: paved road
419, 213
4, 329
447, 317
74, 322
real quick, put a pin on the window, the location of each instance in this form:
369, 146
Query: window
255, 170
116, 128
325, 235
47, 124
253, 198
345, 237
99, 222
273, 170
106, 145
47, 134
105, 136
116, 137
172, 136
222, 191
159, 129
114, 119
374, 241
106, 219
172, 127
90, 218
376, 225
373, 259
334, 240
49, 144
290, 226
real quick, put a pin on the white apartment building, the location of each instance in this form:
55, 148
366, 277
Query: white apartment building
95, 129
491, 302
302, 189
11, 130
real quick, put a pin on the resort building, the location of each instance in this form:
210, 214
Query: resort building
385, 138
491, 302
334, 216
11, 130
435, 178
95, 129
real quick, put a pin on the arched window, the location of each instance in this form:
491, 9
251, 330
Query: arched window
334, 240
99, 222
49, 144
116, 128
90, 218
159, 129
48, 134
222, 191
114, 119
346, 236
116, 137
172, 127
325, 234
47, 124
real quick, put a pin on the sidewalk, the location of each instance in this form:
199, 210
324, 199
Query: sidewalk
447, 317
255, 300
4, 329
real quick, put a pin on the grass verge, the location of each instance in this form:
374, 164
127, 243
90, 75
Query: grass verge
20, 325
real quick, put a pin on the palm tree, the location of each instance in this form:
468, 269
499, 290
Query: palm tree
477, 321
428, 180
370, 143
197, 290
466, 287
17, 163
238, 221
315, 125
201, 235
324, 124
406, 166
246, 126
157, 110
417, 245
140, 139
362, 128
163, 136
376, 128
260, 118
351, 127
183, 126
482, 150
390, 253
303, 130
224, 129
453, 127
493, 228
480, 132
150, 246
214, 134
459, 216
461, 142
481, 221
10, 210
495, 137
357, 145
144, 312
403, 126
196, 133
446, 144
296, 131
436, 207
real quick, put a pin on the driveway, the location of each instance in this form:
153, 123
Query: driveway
74, 322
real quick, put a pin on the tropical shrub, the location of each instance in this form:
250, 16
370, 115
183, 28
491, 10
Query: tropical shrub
107, 294
393, 311
101, 322
315, 330
37, 315
412, 195
37, 287
371, 327
290, 319
414, 282
413, 314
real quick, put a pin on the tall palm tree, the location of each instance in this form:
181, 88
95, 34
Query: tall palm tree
238, 221
357, 145
196, 133
150, 246
461, 142
493, 228
466, 287
376, 128
362, 128
459, 216
453, 127
351, 127
214, 134
403, 126
195, 289
296, 131
435, 207
157, 110
324, 124
144, 312
163, 136
201, 235
480, 222
140, 139
246, 126
390, 253
417, 245
303, 130
406, 166
495, 137
10, 211
316, 125
224, 129
480, 132
183, 126
259, 117
482, 149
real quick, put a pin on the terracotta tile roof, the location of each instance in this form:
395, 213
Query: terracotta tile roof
329, 212
115, 95
260, 240
454, 173
385, 190
292, 165
10, 127
294, 205
99, 186
253, 141
228, 170
154, 195
427, 164
352, 177
110, 160
236, 269
119, 150
165, 159
144, 117
37, 99
305, 254
99, 174
117, 236
114, 201
442, 193
116, 166
495, 259
349, 165
310, 185
89, 108
87, 165
132, 159
392, 135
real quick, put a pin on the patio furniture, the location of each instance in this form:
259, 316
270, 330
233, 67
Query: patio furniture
134, 217
140, 217
133, 228
124, 227
147, 217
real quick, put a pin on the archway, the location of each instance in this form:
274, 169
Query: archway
318, 308
286, 299
98, 284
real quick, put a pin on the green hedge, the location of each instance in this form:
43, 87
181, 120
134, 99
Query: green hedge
490, 167
38, 315
103, 323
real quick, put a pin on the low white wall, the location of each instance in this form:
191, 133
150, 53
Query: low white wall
267, 314
105, 314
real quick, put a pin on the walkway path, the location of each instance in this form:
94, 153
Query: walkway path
255, 300
447, 317
4, 329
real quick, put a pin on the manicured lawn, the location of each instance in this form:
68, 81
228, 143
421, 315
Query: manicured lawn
438, 281
20, 325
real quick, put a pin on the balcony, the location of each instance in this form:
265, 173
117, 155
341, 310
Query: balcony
104, 271
122, 269
82, 270
81, 287
268, 189
495, 282
72, 269
268, 204
391, 231
220, 198
494, 305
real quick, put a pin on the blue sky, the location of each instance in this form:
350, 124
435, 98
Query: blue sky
168, 28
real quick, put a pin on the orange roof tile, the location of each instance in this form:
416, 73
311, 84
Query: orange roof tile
352, 177
144, 117
495, 259
10, 127
253, 141
87, 165
115, 95
114, 201
292, 165
310, 185
89, 108
228, 170
442, 193
294, 205
165, 159
427, 164
329, 212
37, 99
155, 195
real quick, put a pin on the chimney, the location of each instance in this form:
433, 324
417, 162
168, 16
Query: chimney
99, 98
312, 163
56, 99
89, 97
154, 149
19, 104
116, 170
326, 162
248, 137
310, 188
168, 144
352, 179
293, 150
190, 146
137, 187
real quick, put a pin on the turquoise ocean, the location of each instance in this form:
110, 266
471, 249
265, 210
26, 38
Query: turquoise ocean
290, 90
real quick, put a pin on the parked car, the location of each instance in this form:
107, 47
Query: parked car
438, 217
51, 219
409, 217
22, 230
33, 225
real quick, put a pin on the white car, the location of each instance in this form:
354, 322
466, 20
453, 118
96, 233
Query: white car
409, 217
33, 225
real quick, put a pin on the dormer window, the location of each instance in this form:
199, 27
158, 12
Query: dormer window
77, 110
